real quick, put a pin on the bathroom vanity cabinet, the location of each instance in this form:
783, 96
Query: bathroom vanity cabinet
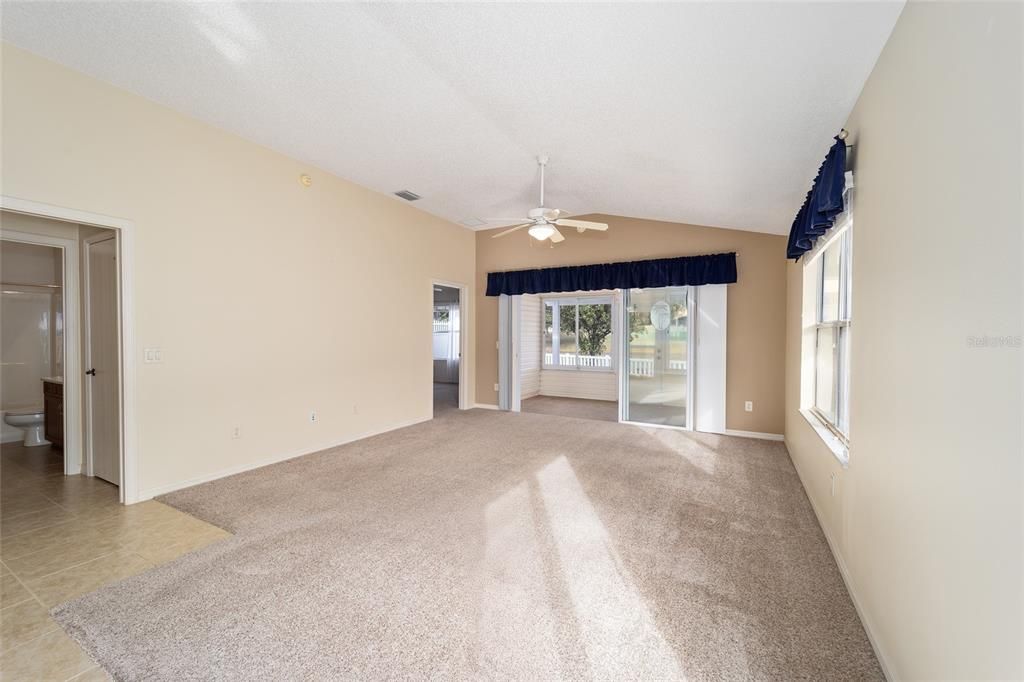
53, 405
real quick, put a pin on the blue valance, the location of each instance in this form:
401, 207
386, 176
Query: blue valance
823, 203
718, 268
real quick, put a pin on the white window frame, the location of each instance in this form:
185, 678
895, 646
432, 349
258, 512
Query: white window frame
558, 301
834, 432
442, 326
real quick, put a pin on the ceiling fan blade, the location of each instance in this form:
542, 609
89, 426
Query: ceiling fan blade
556, 236
581, 224
517, 227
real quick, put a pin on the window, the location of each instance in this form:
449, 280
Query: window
578, 333
830, 273
441, 319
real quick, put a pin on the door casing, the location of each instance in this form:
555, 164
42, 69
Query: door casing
129, 490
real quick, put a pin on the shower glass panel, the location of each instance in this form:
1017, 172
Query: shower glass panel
657, 356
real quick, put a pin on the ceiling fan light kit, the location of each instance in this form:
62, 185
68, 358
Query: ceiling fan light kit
541, 232
544, 222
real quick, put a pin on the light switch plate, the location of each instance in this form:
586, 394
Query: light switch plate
153, 355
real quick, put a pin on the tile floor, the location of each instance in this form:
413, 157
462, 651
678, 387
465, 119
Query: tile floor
60, 537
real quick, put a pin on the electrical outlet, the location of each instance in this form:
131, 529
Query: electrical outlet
355, 409
832, 492
236, 432
749, 406
495, 387
312, 416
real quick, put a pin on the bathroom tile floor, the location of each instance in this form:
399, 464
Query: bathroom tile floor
60, 537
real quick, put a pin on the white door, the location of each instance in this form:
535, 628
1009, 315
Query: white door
103, 376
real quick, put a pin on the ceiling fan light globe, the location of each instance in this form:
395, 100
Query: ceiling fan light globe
541, 232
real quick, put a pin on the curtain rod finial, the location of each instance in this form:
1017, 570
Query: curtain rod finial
842, 134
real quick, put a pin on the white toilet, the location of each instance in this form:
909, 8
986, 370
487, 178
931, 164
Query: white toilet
30, 419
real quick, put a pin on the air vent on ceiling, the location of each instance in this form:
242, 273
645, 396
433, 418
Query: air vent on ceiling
407, 195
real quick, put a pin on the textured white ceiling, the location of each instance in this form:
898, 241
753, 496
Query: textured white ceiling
706, 113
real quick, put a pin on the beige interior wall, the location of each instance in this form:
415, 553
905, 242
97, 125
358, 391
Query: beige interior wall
269, 299
927, 518
756, 302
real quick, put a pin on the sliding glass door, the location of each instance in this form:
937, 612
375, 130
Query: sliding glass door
657, 359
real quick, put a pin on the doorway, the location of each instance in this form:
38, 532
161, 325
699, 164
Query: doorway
447, 342
663, 357
37, 221
567, 364
45, 385
32, 321
658, 385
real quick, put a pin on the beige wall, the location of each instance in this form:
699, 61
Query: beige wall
927, 518
756, 302
268, 299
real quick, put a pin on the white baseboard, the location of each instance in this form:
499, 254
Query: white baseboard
753, 434
485, 406
150, 493
865, 619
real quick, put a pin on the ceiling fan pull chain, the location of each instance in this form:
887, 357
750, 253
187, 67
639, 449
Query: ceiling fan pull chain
543, 161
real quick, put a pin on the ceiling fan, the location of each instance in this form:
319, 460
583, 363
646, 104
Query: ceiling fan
544, 222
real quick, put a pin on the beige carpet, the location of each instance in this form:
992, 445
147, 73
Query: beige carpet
490, 545
601, 410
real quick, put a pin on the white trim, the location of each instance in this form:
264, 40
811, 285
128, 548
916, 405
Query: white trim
508, 352
750, 434
591, 370
485, 406
838, 449
710, 332
129, 489
515, 372
812, 276
691, 350
557, 301
869, 627
150, 493
74, 454
465, 376
623, 355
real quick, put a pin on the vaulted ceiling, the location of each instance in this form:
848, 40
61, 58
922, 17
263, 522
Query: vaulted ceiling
705, 113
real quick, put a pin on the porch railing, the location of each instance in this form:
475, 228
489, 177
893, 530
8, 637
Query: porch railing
638, 367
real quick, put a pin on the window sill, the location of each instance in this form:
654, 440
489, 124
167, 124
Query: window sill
839, 449
591, 370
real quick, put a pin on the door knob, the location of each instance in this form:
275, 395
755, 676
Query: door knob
91, 372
